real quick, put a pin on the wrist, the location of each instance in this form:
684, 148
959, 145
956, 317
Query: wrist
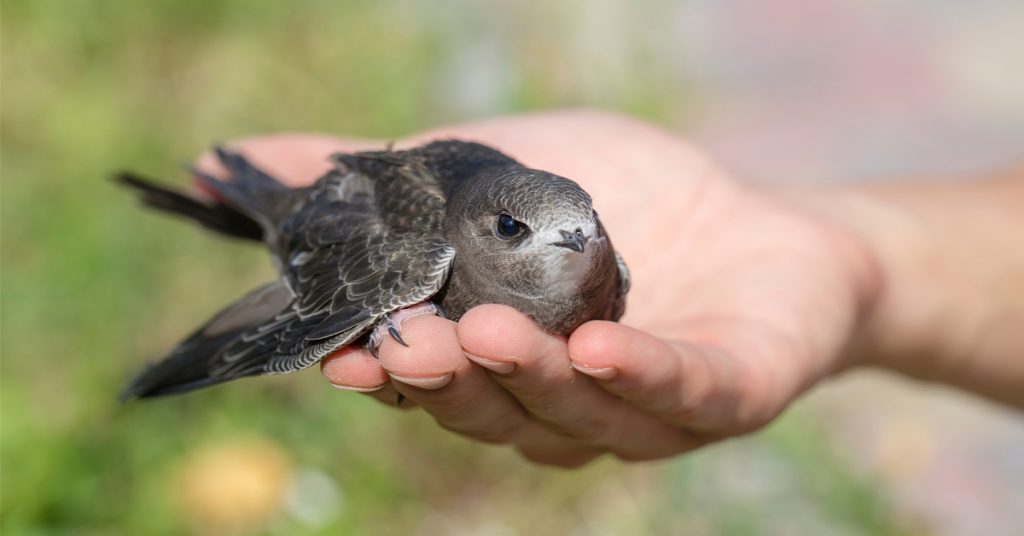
950, 272
859, 259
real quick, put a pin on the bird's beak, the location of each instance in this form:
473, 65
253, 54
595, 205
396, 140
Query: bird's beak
573, 241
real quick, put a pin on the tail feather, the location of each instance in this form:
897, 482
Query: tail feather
214, 216
250, 190
231, 344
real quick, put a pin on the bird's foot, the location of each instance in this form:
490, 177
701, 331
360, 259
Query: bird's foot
392, 324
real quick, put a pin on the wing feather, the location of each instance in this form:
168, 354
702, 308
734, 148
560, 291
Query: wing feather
370, 243
367, 242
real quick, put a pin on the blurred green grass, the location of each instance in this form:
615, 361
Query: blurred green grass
92, 286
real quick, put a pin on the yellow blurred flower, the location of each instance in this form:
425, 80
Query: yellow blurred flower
233, 485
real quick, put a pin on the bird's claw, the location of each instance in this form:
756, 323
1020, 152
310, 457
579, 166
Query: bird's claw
393, 331
392, 325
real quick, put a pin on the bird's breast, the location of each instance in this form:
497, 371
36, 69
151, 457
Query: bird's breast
559, 292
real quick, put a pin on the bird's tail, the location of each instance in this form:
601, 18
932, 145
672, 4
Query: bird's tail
213, 215
245, 206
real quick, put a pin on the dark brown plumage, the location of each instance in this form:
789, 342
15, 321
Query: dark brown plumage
453, 223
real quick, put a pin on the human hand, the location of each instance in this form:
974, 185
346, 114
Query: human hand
739, 303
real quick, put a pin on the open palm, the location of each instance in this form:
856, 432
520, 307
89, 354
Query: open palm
739, 303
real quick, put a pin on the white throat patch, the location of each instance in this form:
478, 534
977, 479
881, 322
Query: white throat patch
564, 270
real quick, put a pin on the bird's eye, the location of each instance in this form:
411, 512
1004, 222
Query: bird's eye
509, 227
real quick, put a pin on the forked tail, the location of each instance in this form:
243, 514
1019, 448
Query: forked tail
212, 215
245, 206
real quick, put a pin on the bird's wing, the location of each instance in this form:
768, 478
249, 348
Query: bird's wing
624, 282
200, 359
368, 242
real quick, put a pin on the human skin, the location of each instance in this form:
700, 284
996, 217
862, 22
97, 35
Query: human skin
743, 298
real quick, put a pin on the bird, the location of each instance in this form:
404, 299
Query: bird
381, 237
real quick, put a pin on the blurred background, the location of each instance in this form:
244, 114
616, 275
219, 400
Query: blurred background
814, 90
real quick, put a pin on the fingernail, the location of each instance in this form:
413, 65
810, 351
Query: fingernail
429, 383
501, 367
357, 389
605, 373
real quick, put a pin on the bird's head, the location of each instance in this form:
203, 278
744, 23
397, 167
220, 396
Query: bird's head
530, 231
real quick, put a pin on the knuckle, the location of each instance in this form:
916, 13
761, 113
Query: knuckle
755, 392
690, 404
683, 413
563, 458
493, 432
678, 442
591, 430
629, 456
452, 406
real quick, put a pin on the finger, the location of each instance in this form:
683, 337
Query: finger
534, 367
295, 159
540, 445
353, 369
684, 385
433, 371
